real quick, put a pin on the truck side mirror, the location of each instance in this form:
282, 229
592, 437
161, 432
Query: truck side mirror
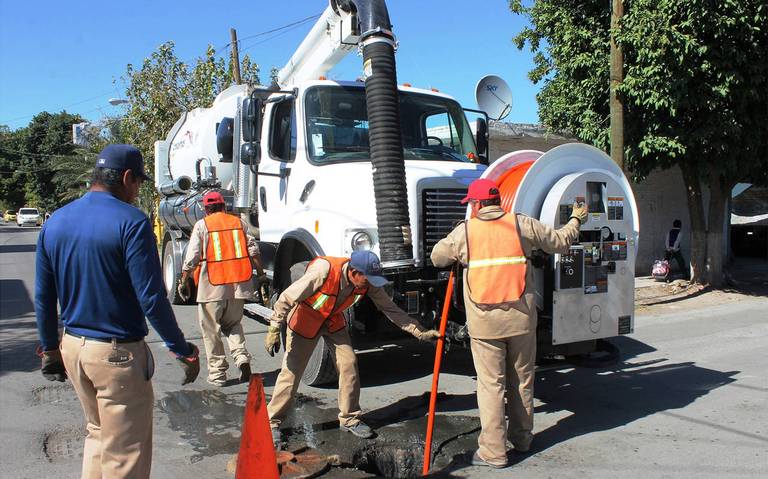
251, 115
250, 152
482, 139
224, 138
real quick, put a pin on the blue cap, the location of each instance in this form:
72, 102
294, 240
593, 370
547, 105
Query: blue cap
122, 157
368, 263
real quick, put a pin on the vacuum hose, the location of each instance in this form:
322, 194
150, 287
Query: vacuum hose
386, 146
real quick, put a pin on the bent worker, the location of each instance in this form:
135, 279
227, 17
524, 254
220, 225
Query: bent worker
105, 275
313, 307
495, 248
226, 256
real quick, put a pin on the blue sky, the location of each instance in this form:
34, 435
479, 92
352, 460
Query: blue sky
58, 55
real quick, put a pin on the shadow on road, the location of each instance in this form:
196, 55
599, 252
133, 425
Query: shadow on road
17, 248
15, 300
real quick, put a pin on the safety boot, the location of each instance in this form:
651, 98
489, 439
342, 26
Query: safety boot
245, 372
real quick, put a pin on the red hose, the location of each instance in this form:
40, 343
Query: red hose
436, 375
509, 182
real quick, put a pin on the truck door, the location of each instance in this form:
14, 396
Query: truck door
274, 182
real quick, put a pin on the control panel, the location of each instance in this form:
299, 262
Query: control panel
593, 294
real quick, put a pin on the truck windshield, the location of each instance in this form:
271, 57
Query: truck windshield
433, 128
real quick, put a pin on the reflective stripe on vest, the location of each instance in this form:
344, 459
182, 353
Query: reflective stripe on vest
496, 261
226, 253
321, 308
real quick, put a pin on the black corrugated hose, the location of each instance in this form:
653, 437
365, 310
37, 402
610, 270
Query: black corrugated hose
387, 153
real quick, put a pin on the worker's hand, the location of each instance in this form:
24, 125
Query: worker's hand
428, 335
52, 365
261, 279
184, 290
190, 365
579, 212
272, 340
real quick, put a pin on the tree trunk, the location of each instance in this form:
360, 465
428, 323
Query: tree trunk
719, 191
698, 223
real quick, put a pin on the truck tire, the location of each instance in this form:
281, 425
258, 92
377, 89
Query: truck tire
321, 367
170, 277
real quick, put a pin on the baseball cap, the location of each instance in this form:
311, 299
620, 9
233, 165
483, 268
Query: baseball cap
213, 198
368, 263
482, 189
122, 157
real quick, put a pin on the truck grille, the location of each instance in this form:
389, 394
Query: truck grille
441, 210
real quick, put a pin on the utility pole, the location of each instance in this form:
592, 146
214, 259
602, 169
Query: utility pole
235, 56
617, 76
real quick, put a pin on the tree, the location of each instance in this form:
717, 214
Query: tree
696, 76
12, 178
163, 88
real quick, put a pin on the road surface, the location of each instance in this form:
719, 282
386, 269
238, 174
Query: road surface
688, 399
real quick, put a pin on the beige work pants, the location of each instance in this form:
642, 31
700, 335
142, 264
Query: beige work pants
297, 353
505, 368
117, 400
217, 318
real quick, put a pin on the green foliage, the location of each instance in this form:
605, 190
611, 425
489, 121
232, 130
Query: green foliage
696, 76
164, 87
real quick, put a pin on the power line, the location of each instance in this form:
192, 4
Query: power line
61, 108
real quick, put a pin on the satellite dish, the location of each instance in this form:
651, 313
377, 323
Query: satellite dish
494, 97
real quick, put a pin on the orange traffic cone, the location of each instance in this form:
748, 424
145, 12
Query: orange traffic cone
256, 458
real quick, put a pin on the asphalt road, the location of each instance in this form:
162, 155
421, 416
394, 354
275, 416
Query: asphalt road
688, 399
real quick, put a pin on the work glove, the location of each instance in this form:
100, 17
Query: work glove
261, 280
579, 212
190, 365
52, 365
428, 335
272, 340
185, 292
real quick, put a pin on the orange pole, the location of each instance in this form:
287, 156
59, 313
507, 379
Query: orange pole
436, 376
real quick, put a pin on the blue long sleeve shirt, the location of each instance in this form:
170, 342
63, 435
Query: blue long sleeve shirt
97, 258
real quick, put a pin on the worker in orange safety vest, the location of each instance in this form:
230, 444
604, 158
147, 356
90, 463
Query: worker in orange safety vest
222, 256
313, 307
495, 249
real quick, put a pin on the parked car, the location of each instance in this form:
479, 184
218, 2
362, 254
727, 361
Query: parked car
9, 216
28, 217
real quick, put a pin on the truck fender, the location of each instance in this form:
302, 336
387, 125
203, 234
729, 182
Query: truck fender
295, 246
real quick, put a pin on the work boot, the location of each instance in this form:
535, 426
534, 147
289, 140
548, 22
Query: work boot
360, 429
479, 461
245, 372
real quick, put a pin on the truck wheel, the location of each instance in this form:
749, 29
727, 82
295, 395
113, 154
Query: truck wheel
170, 278
321, 367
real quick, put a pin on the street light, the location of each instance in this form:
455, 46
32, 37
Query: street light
117, 101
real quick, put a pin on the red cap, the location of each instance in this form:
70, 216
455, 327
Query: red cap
482, 189
213, 198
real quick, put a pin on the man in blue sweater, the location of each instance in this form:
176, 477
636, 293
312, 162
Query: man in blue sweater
96, 257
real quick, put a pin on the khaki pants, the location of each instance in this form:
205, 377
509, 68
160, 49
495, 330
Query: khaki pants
505, 368
217, 318
297, 353
117, 400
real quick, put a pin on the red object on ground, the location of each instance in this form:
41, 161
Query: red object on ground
256, 458
436, 376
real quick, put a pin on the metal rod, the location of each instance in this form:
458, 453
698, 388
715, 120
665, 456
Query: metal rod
436, 375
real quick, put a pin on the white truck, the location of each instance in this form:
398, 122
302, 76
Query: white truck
320, 167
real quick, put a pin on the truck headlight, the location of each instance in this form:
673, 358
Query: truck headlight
361, 241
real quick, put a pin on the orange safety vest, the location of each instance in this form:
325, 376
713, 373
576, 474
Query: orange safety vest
321, 307
227, 250
496, 262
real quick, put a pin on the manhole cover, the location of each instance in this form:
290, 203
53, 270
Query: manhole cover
52, 394
63, 444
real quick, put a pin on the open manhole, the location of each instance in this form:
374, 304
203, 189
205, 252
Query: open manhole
403, 461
